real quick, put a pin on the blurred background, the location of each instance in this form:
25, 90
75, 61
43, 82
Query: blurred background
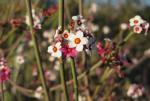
105, 18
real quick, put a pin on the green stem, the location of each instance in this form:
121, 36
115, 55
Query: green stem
37, 51
81, 7
126, 38
2, 98
63, 81
62, 69
75, 80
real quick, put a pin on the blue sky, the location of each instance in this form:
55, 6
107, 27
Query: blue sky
147, 2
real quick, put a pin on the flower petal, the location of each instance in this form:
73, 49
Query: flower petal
79, 48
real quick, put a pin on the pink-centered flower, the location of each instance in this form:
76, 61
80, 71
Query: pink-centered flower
137, 29
4, 74
69, 52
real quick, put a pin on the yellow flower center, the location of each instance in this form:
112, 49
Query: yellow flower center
54, 49
77, 40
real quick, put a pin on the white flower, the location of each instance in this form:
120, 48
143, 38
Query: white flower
123, 26
75, 18
66, 35
38, 93
106, 30
77, 41
20, 59
137, 29
135, 91
54, 50
94, 8
135, 21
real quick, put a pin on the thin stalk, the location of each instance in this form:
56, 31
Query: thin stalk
81, 7
37, 51
126, 38
62, 69
75, 80
63, 81
2, 98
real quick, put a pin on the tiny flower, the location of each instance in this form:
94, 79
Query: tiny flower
137, 29
69, 52
54, 50
78, 41
136, 21
135, 91
123, 26
66, 35
106, 30
20, 59
38, 93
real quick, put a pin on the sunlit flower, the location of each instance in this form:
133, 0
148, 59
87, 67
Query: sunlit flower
54, 50
136, 21
78, 41
135, 91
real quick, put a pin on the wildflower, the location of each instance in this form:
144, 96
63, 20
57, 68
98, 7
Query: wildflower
123, 26
135, 91
38, 93
66, 35
78, 41
20, 59
136, 21
54, 50
69, 52
137, 29
139, 24
106, 30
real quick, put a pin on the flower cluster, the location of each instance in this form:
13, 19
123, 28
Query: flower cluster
138, 24
109, 56
36, 20
135, 91
4, 71
77, 39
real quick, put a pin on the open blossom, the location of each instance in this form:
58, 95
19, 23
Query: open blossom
106, 30
137, 29
20, 59
54, 50
69, 52
135, 91
78, 41
136, 21
139, 24
66, 35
